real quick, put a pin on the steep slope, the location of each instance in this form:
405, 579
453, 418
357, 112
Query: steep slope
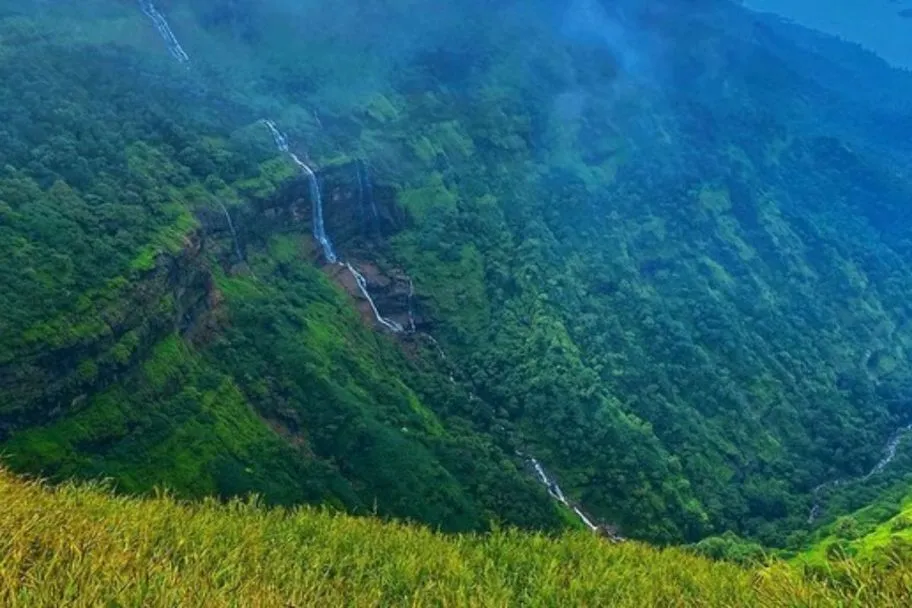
151, 338
682, 282
658, 248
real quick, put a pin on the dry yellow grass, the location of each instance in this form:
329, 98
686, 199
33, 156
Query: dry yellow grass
77, 545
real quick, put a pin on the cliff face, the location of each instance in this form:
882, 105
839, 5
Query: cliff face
359, 212
361, 216
102, 339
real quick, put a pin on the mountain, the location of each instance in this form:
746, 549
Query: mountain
653, 255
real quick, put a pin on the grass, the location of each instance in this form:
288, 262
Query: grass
874, 534
78, 545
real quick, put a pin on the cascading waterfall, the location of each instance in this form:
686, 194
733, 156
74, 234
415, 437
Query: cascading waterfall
278, 137
174, 46
368, 188
362, 285
411, 311
557, 494
553, 489
237, 244
281, 142
892, 446
319, 228
890, 453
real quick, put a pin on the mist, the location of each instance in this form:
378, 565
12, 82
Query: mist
881, 26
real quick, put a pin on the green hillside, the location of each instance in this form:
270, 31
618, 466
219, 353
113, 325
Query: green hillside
879, 533
660, 250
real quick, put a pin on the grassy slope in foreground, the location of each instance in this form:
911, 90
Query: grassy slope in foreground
79, 546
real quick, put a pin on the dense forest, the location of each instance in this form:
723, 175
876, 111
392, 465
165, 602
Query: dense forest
658, 248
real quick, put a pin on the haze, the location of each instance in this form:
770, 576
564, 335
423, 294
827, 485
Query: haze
875, 24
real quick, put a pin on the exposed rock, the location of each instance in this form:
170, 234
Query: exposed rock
392, 291
358, 211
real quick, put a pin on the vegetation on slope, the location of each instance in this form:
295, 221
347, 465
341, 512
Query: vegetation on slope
879, 533
135, 345
649, 265
81, 546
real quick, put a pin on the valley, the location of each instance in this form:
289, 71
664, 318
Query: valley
596, 267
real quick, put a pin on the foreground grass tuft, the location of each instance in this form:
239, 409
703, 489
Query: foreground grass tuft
77, 545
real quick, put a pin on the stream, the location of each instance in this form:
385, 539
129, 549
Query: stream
557, 494
167, 34
889, 454
362, 285
319, 227
234, 236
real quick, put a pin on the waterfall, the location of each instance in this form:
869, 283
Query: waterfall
174, 47
362, 285
585, 519
892, 446
554, 490
411, 311
369, 189
360, 187
319, 228
890, 451
278, 137
237, 245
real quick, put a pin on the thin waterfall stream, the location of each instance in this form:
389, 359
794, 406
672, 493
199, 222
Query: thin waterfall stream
278, 137
234, 236
890, 453
557, 494
319, 227
362, 285
161, 24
